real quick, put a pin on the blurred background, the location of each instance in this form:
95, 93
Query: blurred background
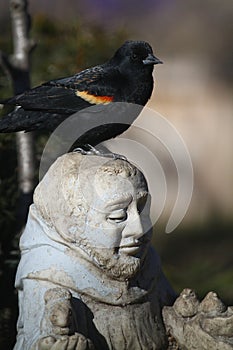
193, 90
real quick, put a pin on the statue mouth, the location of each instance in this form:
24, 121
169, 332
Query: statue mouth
130, 249
135, 246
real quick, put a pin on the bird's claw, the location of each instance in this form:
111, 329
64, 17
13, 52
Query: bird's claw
89, 150
95, 152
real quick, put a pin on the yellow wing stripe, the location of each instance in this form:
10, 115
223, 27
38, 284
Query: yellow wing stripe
94, 99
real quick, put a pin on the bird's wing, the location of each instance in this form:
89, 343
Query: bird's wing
68, 95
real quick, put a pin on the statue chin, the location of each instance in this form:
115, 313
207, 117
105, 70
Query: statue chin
116, 265
121, 263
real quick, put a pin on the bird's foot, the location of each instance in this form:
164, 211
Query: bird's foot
90, 150
87, 150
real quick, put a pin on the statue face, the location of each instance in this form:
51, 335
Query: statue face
61, 314
115, 223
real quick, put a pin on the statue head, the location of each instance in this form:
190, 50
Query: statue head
100, 206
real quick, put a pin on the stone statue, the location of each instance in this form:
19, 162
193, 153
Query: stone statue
89, 278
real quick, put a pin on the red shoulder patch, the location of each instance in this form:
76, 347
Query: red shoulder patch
93, 99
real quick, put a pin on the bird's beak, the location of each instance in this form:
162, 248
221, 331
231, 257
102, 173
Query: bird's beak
151, 59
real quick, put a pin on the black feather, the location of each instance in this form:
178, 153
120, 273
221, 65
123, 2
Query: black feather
124, 78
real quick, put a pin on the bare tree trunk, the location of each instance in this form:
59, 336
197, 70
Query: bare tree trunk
18, 66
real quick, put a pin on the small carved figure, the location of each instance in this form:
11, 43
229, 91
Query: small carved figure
57, 321
199, 325
58, 311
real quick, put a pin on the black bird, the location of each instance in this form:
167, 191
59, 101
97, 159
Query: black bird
126, 77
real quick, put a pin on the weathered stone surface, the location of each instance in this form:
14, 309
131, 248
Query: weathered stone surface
199, 325
88, 276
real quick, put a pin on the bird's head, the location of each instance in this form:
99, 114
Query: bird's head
135, 55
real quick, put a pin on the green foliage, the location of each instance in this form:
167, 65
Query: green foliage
199, 258
66, 48
8, 198
8, 185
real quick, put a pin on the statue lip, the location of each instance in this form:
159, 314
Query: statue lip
130, 248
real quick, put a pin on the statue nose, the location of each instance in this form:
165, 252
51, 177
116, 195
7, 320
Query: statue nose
133, 228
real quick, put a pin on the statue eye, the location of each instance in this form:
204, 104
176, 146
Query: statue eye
118, 216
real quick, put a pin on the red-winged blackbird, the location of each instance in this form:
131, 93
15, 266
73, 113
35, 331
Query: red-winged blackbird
126, 77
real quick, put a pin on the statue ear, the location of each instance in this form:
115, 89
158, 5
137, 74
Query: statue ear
71, 227
57, 196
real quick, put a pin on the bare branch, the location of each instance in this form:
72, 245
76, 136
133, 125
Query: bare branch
26, 164
20, 29
18, 66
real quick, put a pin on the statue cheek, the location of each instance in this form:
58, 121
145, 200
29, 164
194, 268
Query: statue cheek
112, 237
104, 237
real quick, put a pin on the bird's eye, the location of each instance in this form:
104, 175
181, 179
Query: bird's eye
134, 56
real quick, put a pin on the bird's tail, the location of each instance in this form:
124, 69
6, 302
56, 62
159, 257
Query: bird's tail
14, 121
23, 120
